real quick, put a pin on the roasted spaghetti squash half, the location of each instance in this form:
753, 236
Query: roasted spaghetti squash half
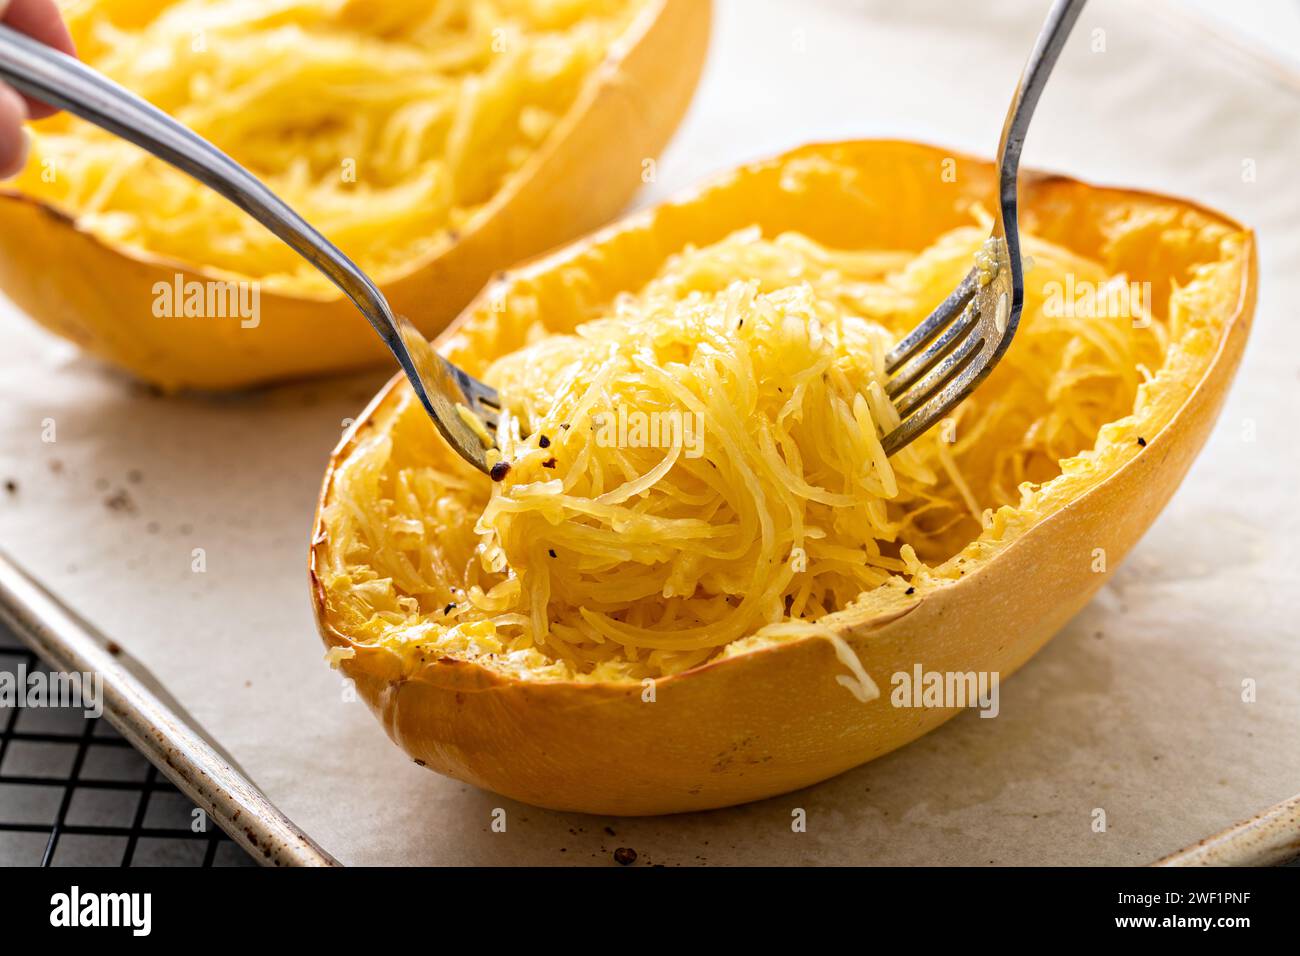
434, 141
697, 575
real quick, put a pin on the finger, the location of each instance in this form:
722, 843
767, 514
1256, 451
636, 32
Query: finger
40, 20
13, 137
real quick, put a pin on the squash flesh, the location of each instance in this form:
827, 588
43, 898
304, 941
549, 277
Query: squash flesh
387, 126
385, 597
98, 295
765, 716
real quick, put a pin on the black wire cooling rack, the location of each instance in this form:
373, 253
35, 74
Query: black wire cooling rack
73, 792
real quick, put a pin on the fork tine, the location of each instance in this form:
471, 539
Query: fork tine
939, 405
485, 395
471, 387
947, 367
952, 336
488, 413
934, 323
480, 398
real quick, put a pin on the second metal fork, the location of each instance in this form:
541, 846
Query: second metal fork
947, 356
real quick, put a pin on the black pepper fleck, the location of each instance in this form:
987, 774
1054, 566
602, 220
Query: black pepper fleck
120, 502
448, 608
551, 552
499, 471
11, 486
625, 856
1142, 442
549, 463
543, 442
910, 591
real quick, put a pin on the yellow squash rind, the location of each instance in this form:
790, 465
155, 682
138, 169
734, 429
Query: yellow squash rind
101, 297
772, 719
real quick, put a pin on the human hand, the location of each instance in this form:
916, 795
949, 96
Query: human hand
41, 20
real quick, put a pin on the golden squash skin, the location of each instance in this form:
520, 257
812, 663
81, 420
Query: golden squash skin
772, 719
585, 171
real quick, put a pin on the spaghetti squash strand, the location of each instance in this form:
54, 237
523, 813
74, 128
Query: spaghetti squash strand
703, 462
388, 125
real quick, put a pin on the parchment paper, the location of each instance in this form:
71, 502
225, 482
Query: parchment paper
1135, 708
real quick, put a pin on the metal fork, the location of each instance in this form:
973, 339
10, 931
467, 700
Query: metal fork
947, 356
59, 80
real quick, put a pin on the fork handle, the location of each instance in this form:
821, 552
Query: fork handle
1056, 29
62, 81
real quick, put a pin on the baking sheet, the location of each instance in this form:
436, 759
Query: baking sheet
1135, 708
